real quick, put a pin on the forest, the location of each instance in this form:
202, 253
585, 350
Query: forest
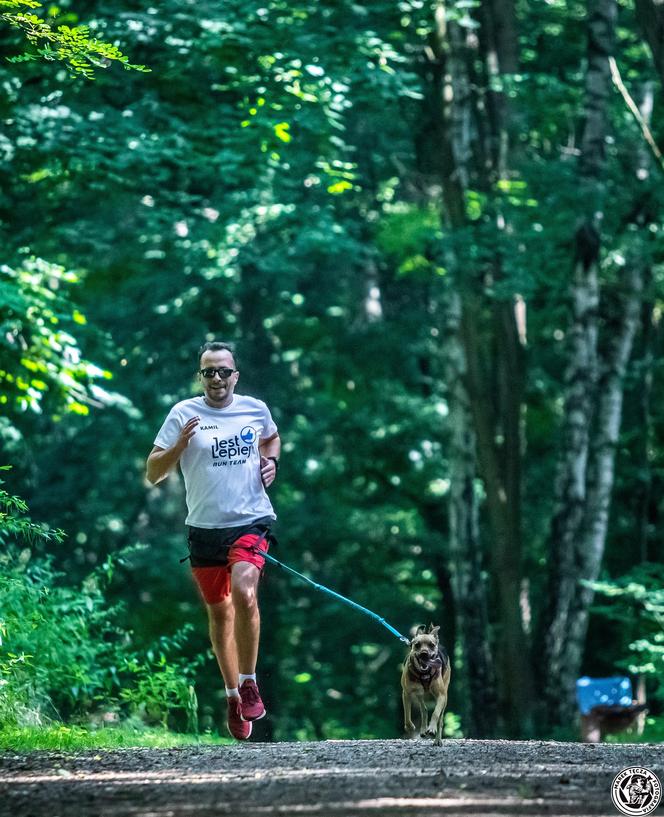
432, 229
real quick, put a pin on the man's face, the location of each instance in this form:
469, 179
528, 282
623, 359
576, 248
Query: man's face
218, 390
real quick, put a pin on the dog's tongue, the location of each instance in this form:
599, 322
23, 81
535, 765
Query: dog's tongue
429, 661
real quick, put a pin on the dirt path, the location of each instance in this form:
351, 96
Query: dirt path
395, 778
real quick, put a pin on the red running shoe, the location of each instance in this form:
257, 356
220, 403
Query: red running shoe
237, 726
252, 705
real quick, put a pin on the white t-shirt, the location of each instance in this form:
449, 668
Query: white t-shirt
221, 464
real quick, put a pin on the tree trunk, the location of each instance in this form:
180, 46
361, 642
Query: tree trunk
650, 16
499, 50
570, 488
465, 548
475, 145
593, 401
466, 559
644, 491
588, 551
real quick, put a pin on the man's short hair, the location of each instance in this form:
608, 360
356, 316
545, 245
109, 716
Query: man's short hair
217, 346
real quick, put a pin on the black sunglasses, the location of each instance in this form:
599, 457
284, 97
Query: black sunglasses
223, 372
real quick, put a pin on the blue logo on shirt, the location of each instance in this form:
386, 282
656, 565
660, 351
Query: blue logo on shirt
248, 435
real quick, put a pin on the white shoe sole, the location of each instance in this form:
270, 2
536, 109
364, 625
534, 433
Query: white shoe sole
246, 720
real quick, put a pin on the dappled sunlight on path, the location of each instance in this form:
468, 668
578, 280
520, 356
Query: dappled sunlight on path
341, 778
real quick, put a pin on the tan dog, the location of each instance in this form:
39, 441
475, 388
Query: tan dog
425, 671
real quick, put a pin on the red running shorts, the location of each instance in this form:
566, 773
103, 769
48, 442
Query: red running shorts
214, 583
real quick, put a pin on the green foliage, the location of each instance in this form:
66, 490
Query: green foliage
637, 603
72, 738
62, 653
653, 732
73, 46
39, 355
16, 527
64, 657
156, 686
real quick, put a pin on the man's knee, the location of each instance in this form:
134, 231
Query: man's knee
244, 586
244, 596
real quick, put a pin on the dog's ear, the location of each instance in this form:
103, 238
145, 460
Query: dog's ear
433, 631
421, 629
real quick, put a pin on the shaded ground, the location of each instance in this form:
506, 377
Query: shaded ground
395, 778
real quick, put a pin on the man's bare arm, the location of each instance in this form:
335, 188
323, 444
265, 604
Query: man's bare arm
162, 460
271, 447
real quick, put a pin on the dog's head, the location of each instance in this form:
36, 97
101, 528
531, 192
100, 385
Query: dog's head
425, 644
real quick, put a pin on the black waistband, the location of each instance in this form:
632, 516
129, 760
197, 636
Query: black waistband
208, 547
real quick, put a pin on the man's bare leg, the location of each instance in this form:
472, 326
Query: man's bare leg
244, 592
221, 619
222, 635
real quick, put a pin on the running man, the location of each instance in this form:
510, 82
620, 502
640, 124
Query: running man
228, 449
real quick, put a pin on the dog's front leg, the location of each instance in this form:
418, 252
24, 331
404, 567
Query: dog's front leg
439, 731
423, 716
436, 723
408, 725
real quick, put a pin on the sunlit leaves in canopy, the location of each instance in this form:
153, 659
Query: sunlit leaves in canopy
39, 354
73, 46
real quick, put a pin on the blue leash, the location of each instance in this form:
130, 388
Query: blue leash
332, 593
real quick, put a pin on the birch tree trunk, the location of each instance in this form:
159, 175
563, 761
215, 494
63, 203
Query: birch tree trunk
593, 399
620, 326
588, 550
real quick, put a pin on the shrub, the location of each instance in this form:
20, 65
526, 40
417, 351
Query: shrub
636, 602
62, 654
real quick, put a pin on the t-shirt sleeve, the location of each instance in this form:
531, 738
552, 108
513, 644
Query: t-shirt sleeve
269, 426
168, 433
